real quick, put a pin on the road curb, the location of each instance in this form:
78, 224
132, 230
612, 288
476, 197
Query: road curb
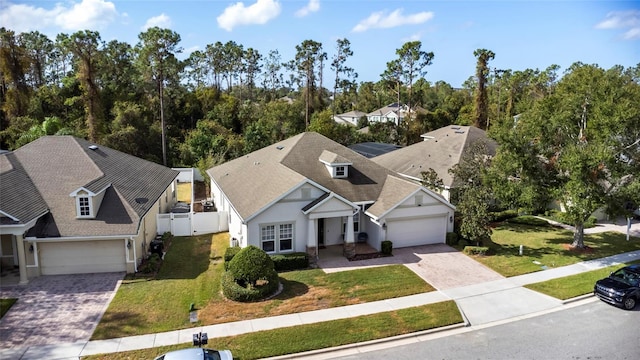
577, 298
369, 343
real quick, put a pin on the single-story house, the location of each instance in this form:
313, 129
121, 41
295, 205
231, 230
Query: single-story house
349, 118
70, 206
308, 192
441, 150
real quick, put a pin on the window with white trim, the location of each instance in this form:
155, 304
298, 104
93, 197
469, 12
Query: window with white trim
276, 237
286, 237
84, 206
268, 238
340, 171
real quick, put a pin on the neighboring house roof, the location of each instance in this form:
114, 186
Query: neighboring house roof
373, 149
349, 118
441, 150
254, 181
60, 165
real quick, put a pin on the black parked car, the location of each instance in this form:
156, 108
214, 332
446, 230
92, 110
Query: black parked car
621, 288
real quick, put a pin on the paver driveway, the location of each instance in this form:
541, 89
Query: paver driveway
440, 265
56, 309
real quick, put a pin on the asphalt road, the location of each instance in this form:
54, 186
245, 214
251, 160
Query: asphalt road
591, 331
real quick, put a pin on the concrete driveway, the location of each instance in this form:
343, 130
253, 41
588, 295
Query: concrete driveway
440, 265
56, 309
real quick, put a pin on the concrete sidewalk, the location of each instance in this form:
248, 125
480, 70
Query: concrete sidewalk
481, 304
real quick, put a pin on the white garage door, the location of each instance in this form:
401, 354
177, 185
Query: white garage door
420, 231
82, 257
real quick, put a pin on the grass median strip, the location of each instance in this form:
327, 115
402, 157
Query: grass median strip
319, 335
574, 285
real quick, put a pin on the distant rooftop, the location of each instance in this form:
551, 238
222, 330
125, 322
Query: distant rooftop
373, 149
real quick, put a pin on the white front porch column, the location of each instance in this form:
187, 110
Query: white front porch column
311, 233
349, 244
312, 241
349, 231
22, 259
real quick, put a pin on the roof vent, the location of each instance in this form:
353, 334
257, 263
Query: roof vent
93, 147
459, 131
279, 147
456, 127
141, 200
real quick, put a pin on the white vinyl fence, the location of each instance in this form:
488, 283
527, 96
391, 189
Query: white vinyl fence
187, 224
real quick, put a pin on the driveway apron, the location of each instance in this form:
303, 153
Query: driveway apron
56, 309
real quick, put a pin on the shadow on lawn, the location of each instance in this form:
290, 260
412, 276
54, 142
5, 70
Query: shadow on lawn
291, 289
117, 323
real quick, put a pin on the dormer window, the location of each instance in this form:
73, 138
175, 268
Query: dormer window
337, 165
88, 202
84, 206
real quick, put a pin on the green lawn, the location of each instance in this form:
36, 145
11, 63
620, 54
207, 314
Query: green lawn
575, 285
191, 275
545, 246
320, 335
5, 305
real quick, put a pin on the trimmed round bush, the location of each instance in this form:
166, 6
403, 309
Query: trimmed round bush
251, 276
250, 265
235, 291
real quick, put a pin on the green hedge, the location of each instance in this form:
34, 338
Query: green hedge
475, 250
287, 262
387, 247
500, 216
236, 291
229, 254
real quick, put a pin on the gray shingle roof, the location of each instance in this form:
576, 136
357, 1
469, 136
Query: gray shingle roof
441, 151
19, 197
59, 165
256, 180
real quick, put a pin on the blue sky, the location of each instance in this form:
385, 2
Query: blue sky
522, 34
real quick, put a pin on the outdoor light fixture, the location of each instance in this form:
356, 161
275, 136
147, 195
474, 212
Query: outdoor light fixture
384, 226
450, 219
31, 248
128, 244
200, 339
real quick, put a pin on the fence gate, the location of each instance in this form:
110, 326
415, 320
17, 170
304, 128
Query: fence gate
179, 224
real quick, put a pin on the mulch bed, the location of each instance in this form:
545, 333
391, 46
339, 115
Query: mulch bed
365, 256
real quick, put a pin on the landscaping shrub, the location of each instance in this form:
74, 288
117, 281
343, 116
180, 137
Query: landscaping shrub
251, 276
503, 215
287, 262
528, 220
229, 254
475, 250
166, 236
237, 292
452, 239
387, 247
151, 265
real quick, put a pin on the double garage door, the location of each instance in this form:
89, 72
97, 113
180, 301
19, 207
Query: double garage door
417, 231
82, 257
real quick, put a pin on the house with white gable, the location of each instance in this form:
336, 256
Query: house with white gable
308, 192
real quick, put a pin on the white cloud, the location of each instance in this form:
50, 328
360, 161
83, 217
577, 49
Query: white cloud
312, 6
83, 15
161, 21
623, 20
385, 20
259, 13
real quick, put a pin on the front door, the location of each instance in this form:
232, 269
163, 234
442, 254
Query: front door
321, 233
